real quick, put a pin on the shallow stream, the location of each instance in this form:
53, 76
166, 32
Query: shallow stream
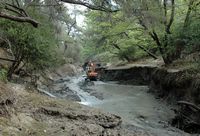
134, 104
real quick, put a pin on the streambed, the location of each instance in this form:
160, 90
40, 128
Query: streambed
138, 108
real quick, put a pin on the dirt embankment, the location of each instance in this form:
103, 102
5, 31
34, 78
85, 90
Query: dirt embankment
181, 88
174, 85
25, 112
138, 75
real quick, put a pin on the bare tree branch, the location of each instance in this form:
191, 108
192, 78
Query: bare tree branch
19, 19
16, 13
90, 6
22, 11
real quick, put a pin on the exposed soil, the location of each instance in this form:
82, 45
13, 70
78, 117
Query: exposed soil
29, 113
137, 75
177, 86
23, 111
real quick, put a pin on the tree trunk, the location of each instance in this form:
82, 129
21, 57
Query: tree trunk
187, 18
167, 59
12, 69
14, 66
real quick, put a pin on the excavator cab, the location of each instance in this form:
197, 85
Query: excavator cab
91, 72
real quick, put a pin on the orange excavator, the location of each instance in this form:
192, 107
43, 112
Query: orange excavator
91, 72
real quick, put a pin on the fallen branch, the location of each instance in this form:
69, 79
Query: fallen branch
90, 6
46, 92
189, 104
148, 52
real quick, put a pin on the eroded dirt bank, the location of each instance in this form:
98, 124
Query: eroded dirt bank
178, 87
138, 75
175, 84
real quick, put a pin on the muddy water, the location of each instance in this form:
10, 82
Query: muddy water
136, 107
133, 103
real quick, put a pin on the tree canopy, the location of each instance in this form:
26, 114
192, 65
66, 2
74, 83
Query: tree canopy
145, 25
34, 31
41, 47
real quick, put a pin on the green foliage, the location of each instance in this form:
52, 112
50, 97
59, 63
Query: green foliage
154, 25
106, 30
42, 47
35, 47
129, 51
3, 75
190, 36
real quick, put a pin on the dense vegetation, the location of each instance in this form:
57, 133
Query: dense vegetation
33, 49
41, 34
140, 28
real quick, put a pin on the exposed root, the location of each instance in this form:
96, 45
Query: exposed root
188, 117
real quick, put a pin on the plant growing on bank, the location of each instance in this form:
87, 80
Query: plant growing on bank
37, 47
3, 75
31, 48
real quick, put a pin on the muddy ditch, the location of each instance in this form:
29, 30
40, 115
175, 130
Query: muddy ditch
178, 88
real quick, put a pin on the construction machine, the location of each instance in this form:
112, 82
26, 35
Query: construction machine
91, 72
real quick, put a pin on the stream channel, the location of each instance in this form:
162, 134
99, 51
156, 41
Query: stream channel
136, 107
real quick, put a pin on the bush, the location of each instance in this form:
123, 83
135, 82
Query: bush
189, 36
3, 75
36, 48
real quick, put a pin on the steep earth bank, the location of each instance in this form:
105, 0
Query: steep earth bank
174, 85
137, 75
